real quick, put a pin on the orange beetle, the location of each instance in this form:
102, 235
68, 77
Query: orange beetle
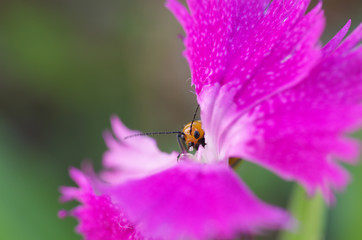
192, 136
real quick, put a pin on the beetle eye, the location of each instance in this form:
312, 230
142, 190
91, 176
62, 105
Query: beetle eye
196, 134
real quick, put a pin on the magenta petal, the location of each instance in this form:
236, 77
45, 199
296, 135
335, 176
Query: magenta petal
260, 48
299, 133
98, 217
353, 40
195, 201
335, 41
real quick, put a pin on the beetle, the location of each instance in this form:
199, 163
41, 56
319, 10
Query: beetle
191, 137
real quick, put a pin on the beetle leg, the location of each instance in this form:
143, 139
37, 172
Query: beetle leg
182, 144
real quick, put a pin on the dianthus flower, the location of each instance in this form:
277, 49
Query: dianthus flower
269, 93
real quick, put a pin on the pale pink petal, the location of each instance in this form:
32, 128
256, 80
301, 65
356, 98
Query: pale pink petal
133, 157
260, 48
224, 124
98, 217
195, 201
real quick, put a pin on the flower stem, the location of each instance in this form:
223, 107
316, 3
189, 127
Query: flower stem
310, 213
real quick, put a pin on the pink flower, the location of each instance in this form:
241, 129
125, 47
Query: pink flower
269, 93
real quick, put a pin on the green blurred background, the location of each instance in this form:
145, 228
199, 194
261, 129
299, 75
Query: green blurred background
67, 66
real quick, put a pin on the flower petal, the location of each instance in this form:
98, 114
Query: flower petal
134, 157
299, 133
98, 217
260, 48
195, 201
335, 41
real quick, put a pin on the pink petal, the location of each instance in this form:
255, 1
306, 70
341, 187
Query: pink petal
134, 157
298, 133
98, 217
196, 201
353, 40
335, 41
261, 49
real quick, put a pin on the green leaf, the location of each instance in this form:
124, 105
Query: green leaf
311, 216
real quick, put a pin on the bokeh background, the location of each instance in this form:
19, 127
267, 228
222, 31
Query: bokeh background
67, 66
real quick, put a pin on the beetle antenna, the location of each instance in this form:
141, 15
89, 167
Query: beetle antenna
153, 133
193, 119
